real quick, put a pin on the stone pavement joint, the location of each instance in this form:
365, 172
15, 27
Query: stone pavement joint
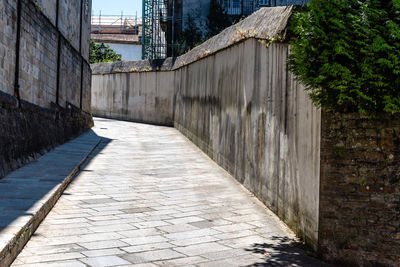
149, 197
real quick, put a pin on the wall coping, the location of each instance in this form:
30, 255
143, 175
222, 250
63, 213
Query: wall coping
268, 23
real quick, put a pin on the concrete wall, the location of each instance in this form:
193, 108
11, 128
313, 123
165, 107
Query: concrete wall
52, 70
141, 97
244, 109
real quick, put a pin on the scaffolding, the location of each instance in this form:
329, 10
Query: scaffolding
155, 25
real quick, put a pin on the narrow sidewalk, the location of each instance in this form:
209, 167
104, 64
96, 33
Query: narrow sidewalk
149, 197
29, 193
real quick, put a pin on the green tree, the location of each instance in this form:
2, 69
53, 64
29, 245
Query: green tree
96, 56
191, 37
347, 54
217, 19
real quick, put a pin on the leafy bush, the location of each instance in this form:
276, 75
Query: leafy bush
96, 56
347, 54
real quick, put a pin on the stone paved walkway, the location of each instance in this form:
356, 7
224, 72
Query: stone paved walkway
148, 197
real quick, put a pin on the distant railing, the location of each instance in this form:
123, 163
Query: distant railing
247, 7
129, 24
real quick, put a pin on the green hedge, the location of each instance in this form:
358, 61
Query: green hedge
347, 54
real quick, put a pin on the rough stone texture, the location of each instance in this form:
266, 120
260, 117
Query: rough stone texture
38, 57
7, 45
48, 8
38, 50
141, 97
171, 206
30, 131
68, 21
360, 190
70, 78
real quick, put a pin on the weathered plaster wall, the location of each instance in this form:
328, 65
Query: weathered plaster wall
244, 109
142, 97
360, 190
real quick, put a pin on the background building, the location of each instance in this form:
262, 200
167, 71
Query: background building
122, 33
165, 20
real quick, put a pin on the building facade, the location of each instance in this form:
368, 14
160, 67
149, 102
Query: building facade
165, 20
122, 33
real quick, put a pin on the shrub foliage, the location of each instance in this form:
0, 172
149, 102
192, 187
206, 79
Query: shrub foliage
96, 56
347, 54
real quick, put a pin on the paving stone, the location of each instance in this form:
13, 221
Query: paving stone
104, 261
147, 247
148, 197
182, 261
104, 244
194, 250
177, 228
50, 257
155, 255
192, 234
103, 252
145, 240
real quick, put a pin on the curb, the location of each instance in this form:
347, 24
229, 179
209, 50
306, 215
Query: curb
17, 243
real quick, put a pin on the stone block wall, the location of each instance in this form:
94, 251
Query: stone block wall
30, 131
359, 219
38, 57
52, 71
8, 14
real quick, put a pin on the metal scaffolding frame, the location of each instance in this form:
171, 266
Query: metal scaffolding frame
155, 24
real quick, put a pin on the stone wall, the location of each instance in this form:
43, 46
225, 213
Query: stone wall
38, 58
360, 190
53, 76
8, 24
29, 131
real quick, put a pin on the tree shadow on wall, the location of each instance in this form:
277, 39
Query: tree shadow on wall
283, 251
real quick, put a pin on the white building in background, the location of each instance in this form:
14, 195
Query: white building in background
122, 33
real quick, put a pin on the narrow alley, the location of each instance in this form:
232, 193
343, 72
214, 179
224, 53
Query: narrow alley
148, 197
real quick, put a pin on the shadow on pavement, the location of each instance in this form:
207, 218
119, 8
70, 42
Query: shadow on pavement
283, 251
25, 190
